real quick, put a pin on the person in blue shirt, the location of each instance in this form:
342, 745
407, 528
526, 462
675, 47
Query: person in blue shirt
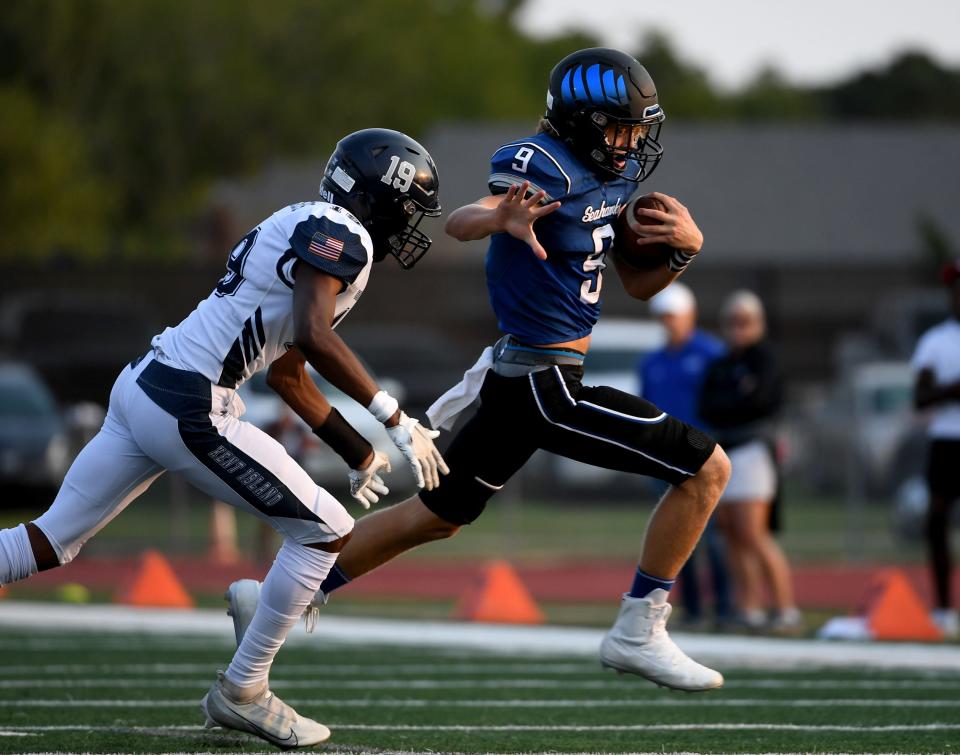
554, 197
671, 378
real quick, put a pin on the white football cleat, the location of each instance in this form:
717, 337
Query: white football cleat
242, 597
638, 643
260, 713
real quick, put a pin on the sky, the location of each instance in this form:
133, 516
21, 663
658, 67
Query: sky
813, 42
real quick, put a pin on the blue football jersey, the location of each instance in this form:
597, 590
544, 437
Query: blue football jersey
557, 299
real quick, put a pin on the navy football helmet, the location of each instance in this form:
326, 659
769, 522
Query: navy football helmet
603, 104
389, 183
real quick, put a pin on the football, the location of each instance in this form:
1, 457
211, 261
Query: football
631, 226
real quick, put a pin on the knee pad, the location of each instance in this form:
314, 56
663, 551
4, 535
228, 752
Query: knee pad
460, 499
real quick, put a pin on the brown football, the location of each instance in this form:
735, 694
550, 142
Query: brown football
631, 226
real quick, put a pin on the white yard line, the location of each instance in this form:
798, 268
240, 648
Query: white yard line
661, 702
330, 684
486, 669
523, 728
726, 651
374, 751
283, 678
841, 684
333, 749
652, 727
612, 684
946, 681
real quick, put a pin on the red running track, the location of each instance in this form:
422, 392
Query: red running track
829, 586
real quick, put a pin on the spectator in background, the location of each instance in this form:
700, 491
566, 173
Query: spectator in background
742, 393
937, 365
671, 378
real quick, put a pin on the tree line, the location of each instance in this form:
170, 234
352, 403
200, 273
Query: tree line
117, 116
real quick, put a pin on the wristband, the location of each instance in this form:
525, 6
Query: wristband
343, 438
383, 406
679, 260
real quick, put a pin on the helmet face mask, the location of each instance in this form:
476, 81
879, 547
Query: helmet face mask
389, 182
630, 147
407, 243
604, 105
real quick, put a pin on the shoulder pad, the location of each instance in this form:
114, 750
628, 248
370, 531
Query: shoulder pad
328, 244
522, 161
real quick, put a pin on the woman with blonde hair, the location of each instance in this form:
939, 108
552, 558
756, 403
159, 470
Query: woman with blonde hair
742, 393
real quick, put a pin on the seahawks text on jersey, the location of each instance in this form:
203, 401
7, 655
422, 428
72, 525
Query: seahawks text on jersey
558, 299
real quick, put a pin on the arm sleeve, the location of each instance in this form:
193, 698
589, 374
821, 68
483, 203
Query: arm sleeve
329, 246
527, 161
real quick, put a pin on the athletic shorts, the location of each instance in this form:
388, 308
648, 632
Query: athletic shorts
943, 468
550, 409
753, 474
163, 418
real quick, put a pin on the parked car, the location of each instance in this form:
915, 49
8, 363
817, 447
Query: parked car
866, 437
76, 340
34, 452
265, 408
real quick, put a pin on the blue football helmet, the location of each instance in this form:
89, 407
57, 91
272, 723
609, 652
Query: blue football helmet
603, 104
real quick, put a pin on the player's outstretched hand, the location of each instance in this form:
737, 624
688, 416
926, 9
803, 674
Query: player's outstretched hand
517, 213
678, 230
416, 444
366, 485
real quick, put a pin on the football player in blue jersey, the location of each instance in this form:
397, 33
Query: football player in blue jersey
549, 216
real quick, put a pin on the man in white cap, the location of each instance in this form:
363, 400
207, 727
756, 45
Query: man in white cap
671, 378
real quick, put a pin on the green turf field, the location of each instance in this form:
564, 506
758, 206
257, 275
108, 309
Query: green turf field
69, 692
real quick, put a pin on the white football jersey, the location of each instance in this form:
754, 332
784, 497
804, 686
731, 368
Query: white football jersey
939, 351
247, 322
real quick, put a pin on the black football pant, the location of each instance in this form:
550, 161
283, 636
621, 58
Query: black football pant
552, 410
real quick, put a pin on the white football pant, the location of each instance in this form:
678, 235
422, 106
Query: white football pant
162, 418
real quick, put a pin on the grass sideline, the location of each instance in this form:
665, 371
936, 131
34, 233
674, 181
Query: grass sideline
175, 519
85, 692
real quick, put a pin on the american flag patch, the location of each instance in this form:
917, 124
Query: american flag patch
326, 246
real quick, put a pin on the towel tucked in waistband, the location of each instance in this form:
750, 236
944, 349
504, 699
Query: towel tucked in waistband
507, 357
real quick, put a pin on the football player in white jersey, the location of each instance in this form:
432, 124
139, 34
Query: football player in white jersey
288, 283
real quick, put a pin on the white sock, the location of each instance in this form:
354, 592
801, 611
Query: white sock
16, 555
289, 587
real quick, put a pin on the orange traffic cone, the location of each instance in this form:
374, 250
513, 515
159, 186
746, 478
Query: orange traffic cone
498, 596
894, 611
155, 585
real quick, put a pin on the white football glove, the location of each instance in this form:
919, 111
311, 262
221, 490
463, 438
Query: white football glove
416, 444
366, 485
